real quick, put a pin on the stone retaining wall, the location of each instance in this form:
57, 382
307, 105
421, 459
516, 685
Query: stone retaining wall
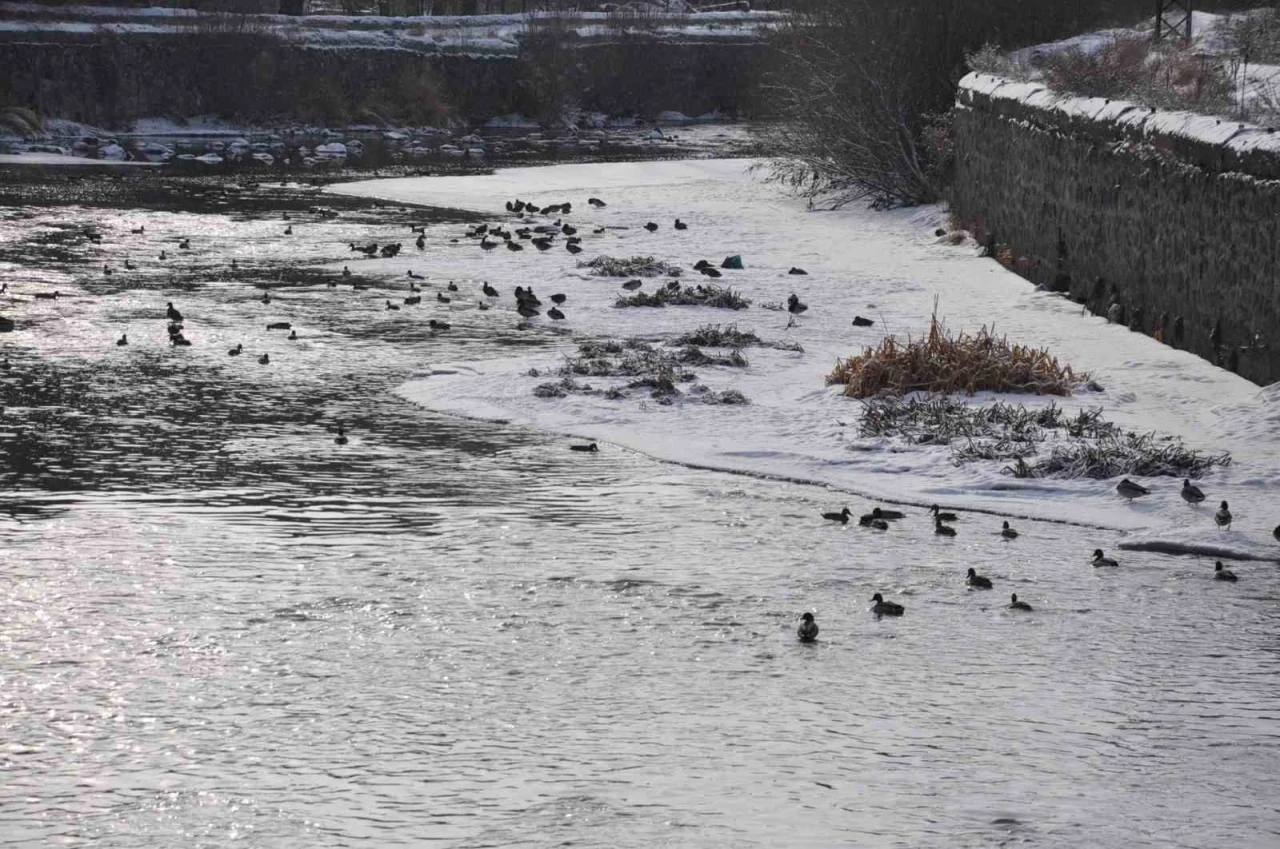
1169, 222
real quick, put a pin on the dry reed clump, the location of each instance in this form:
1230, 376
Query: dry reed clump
729, 336
940, 362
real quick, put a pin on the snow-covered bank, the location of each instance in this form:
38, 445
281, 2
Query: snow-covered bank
888, 267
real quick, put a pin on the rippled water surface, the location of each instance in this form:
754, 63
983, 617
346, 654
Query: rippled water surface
220, 628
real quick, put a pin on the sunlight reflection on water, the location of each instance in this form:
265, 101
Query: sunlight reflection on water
221, 627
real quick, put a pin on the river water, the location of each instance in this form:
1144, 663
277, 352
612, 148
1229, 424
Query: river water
221, 628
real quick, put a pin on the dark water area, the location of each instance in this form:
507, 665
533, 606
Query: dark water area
221, 627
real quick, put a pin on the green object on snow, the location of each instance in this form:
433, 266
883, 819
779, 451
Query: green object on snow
734, 262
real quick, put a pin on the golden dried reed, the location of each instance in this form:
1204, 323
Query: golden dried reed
943, 363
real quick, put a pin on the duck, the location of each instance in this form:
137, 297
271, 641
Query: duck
266, 297
185, 245
680, 225
808, 630
172, 313
1191, 494
438, 325
346, 271
487, 245
797, 271
1221, 574
596, 202
421, 242
573, 247
590, 447
391, 306
413, 275
859, 321
237, 350
938, 515
1131, 490
1223, 517
164, 255
1014, 604
977, 581
452, 287
341, 438
489, 291
514, 246
891, 515
413, 300
1276, 533
179, 341
568, 229
886, 608
795, 306
123, 340
1008, 532
651, 227
279, 325
293, 336
558, 298
288, 231
264, 360
442, 298
137, 231
129, 266
47, 296
942, 529
842, 517
555, 314
869, 521
1099, 560
526, 310
632, 285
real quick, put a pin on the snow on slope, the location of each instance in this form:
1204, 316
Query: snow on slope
888, 267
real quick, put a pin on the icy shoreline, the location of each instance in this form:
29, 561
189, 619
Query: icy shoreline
888, 267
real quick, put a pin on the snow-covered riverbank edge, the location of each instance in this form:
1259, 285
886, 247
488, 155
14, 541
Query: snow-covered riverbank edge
889, 267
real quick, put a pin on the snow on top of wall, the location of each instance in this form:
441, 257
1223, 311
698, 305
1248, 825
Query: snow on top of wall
1130, 117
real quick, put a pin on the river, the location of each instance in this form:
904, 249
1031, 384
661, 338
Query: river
221, 628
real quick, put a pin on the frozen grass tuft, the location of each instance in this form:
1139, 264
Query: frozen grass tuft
943, 363
716, 336
658, 370
635, 266
688, 296
1084, 445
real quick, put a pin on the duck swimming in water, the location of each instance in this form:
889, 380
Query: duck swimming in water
1191, 494
869, 521
842, 517
237, 350
1008, 532
264, 360
886, 608
1014, 604
1223, 517
889, 515
977, 581
808, 630
943, 530
1131, 490
590, 447
938, 515
341, 438
123, 340
173, 313
1221, 574
1099, 560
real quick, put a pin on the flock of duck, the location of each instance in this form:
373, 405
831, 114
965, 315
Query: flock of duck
880, 518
